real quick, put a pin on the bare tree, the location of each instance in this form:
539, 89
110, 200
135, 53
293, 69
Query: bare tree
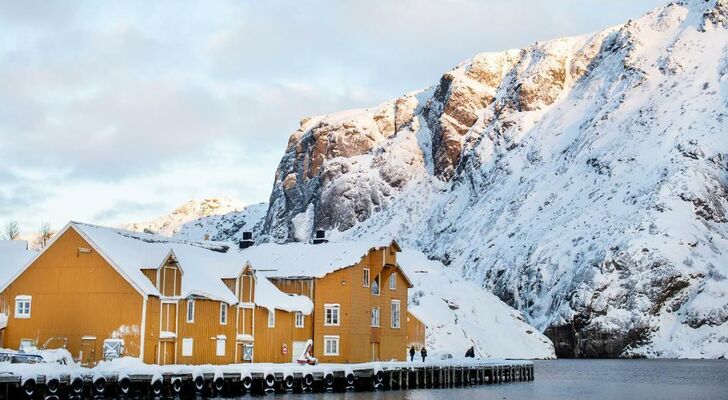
44, 236
12, 231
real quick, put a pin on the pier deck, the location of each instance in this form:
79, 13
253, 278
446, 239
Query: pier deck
114, 380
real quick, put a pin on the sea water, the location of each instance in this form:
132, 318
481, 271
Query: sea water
580, 379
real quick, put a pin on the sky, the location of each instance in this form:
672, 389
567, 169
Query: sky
114, 112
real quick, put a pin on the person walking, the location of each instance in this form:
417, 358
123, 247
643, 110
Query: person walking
412, 353
423, 353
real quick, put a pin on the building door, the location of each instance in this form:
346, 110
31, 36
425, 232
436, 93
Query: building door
375, 351
87, 355
298, 349
168, 352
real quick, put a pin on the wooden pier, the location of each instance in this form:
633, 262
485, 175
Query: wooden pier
190, 382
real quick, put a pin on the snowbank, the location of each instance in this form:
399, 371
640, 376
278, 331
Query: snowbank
459, 314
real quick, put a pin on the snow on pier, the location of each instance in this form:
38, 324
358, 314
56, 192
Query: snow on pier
129, 377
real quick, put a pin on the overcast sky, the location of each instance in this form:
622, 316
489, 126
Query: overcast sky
115, 112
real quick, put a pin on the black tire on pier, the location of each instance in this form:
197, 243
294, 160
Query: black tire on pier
100, 385
157, 387
77, 386
288, 382
124, 385
247, 383
329, 380
350, 379
270, 382
52, 386
307, 382
176, 385
199, 383
219, 384
29, 387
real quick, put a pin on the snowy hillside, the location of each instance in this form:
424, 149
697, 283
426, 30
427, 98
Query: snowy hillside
229, 226
459, 314
193, 210
582, 180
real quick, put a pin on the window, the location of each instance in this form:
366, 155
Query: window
395, 314
22, 306
331, 345
393, 281
248, 352
190, 310
365, 277
375, 317
299, 320
220, 346
223, 314
331, 314
271, 318
187, 347
375, 286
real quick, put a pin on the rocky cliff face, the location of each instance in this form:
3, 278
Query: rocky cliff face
582, 180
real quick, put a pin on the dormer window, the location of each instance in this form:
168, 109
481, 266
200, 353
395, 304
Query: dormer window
393, 281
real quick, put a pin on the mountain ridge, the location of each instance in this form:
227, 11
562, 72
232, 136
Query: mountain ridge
582, 180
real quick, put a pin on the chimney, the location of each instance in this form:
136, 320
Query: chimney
247, 240
320, 237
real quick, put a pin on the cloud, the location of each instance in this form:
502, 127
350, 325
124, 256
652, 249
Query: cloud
118, 112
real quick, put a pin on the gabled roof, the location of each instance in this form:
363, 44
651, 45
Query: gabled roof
304, 260
204, 264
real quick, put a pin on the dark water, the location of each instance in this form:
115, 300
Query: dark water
582, 379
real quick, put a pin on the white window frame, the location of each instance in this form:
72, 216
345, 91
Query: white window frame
300, 318
376, 317
332, 339
396, 306
187, 346
366, 278
190, 311
335, 314
271, 319
378, 281
22, 311
246, 347
223, 314
220, 351
393, 281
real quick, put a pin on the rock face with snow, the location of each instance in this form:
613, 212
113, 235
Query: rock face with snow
191, 211
582, 180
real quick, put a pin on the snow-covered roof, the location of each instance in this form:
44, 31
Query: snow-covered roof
203, 265
307, 260
14, 254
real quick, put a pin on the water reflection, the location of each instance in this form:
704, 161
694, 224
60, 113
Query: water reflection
580, 379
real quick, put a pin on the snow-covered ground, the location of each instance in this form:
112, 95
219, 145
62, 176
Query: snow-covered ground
460, 314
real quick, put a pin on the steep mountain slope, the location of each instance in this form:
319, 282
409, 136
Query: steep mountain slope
229, 226
582, 180
191, 211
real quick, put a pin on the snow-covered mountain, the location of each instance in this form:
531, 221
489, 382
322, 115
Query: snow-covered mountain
191, 211
583, 180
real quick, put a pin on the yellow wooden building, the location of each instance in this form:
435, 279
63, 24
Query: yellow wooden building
172, 301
